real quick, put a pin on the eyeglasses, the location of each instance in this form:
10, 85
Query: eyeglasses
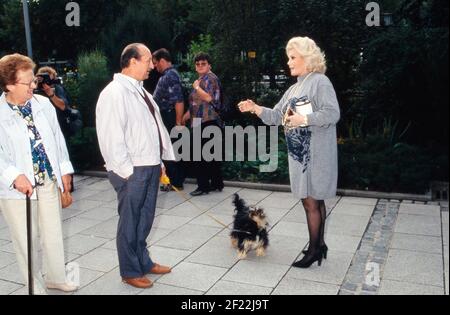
201, 64
35, 81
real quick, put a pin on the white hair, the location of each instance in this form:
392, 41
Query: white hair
308, 49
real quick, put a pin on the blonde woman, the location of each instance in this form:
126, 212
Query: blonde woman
311, 138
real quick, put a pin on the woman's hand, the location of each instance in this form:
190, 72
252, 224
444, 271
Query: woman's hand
23, 185
196, 84
67, 182
249, 106
296, 120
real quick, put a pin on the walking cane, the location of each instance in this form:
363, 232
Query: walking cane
30, 248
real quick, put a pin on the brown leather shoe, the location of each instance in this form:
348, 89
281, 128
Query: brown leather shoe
141, 283
160, 270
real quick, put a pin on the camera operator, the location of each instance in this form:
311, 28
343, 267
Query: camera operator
51, 87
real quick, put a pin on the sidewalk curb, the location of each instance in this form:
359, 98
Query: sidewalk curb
287, 188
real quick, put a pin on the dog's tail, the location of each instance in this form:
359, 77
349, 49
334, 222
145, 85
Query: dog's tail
239, 203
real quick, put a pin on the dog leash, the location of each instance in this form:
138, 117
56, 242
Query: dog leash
166, 181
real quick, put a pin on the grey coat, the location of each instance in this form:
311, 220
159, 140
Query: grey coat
313, 162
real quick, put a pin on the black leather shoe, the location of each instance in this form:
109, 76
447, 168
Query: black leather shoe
198, 192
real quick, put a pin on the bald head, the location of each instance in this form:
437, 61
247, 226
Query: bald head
136, 61
135, 50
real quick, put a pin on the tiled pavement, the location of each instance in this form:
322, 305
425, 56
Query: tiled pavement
376, 246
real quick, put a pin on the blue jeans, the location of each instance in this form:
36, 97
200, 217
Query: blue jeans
137, 203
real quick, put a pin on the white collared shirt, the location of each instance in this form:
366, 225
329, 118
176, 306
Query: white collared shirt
137, 84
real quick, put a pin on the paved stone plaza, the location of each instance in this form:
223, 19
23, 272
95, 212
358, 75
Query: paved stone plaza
405, 243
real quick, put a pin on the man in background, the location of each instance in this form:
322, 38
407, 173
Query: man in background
169, 97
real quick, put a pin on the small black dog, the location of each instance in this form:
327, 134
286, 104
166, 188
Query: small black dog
249, 229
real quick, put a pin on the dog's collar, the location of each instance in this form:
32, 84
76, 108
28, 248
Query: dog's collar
240, 231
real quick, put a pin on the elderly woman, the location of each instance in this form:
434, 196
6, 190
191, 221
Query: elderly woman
34, 162
311, 138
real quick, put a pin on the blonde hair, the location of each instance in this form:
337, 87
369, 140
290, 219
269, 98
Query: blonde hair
48, 70
308, 49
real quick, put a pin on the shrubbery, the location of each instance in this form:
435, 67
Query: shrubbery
93, 77
84, 90
372, 164
84, 150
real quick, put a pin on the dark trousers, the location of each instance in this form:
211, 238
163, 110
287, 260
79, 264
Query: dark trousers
137, 203
175, 170
209, 174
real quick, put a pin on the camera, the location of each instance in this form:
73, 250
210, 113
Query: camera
44, 78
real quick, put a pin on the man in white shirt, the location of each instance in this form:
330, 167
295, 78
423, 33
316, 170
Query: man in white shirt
133, 142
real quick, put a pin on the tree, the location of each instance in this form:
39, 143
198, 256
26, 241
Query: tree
405, 73
10, 29
266, 26
138, 24
51, 37
186, 19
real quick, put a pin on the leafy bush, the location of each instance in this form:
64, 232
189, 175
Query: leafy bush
84, 150
93, 77
249, 171
376, 164
72, 86
203, 44
366, 162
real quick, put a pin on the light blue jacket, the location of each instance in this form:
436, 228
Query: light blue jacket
15, 148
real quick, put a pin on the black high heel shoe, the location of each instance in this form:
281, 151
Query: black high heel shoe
307, 261
323, 249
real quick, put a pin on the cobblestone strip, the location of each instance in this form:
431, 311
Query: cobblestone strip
364, 274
